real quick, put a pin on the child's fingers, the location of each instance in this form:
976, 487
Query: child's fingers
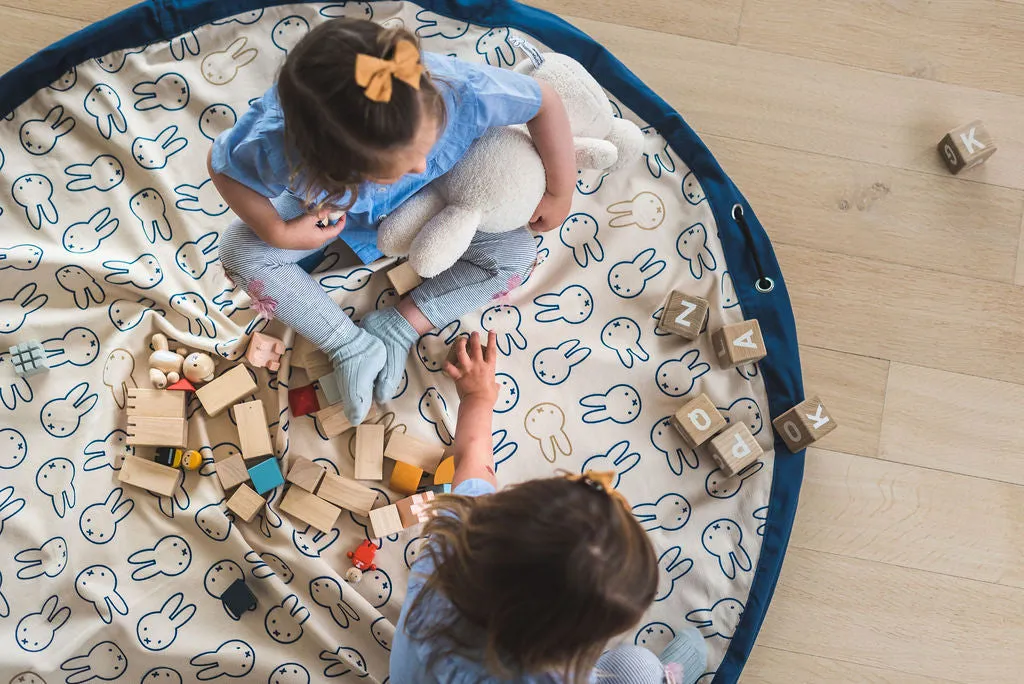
475, 351
491, 350
461, 353
453, 371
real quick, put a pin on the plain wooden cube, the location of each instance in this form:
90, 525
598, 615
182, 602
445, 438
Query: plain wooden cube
684, 315
304, 473
151, 431
347, 494
245, 503
149, 475
253, 434
369, 452
225, 390
232, 471
385, 521
966, 146
402, 447
310, 509
404, 278
804, 424
698, 421
156, 403
735, 448
739, 343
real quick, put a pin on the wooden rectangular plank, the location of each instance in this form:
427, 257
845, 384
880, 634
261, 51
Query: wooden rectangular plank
905, 314
226, 389
775, 666
882, 615
716, 20
149, 431
975, 43
305, 355
883, 213
900, 514
253, 433
369, 452
149, 475
1019, 277
402, 447
156, 403
310, 509
954, 422
346, 493
817, 106
854, 389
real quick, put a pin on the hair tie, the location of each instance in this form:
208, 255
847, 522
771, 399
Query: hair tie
375, 75
600, 481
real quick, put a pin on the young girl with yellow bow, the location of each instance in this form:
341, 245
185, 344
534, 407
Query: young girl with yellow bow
529, 584
358, 121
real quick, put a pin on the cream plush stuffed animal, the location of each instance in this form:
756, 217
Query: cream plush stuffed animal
497, 185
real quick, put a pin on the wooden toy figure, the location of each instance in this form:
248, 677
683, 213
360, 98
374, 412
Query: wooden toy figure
362, 560
164, 365
198, 367
264, 351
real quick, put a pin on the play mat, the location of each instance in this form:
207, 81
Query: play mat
109, 232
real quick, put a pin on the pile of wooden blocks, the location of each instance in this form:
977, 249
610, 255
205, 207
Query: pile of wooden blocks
733, 446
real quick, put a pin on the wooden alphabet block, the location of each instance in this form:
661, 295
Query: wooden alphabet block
369, 452
225, 390
385, 521
698, 421
402, 447
739, 343
347, 494
305, 473
156, 403
149, 431
684, 315
264, 351
403, 278
310, 509
966, 146
405, 478
245, 503
735, 448
231, 471
253, 435
149, 475
415, 509
310, 358
804, 424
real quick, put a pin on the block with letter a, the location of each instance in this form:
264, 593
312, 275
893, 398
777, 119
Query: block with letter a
739, 343
698, 421
735, 448
804, 424
966, 146
684, 315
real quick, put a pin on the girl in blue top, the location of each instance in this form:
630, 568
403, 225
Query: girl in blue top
358, 121
528, 584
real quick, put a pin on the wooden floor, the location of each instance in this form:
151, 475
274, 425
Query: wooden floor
906, 564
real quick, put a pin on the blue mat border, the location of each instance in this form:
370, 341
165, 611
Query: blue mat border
158, 20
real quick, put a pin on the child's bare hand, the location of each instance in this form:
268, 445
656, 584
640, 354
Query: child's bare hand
310, 231
473, 369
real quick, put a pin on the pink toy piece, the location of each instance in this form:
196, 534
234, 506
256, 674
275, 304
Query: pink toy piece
264, 351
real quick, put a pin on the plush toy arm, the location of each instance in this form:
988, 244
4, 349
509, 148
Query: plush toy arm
628, 140
444, 239
397, 231
594, 153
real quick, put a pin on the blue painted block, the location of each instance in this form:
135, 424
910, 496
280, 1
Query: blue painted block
266, 475
28, 358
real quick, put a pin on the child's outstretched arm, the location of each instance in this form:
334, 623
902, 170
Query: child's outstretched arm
473, 372
552, 136
259, 214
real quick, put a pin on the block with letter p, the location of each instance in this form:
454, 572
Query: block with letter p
739, 343
684, 315
735, 448
966, 146
698, 421
804, 424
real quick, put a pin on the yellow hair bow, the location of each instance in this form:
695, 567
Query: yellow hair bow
375, 75
600, 480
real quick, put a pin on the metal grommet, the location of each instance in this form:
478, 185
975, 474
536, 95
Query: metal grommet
764, 284
737, 212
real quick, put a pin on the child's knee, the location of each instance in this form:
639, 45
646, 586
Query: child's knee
238, 251
518, 254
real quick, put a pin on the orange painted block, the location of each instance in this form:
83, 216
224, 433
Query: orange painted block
405, 478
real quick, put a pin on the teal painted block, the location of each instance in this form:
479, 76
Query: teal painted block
266, 475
